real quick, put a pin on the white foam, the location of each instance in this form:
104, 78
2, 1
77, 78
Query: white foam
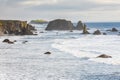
92, 46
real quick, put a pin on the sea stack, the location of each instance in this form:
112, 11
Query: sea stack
85, 30
97, 32
60, 24
79, 26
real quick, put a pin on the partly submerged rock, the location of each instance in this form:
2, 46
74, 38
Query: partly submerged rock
104, 56
8, 41
114, 30
24, 42
85, 30
97, 32
47, 53
60, 24
104, 33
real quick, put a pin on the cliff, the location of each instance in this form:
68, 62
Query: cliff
15, 27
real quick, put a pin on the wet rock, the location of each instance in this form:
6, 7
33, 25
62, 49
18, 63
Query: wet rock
10, 42
60, 24
6, 40
97, 32
85, 30
114, 30
15, 41
47, 53
79, 26
104, 56
104, 33
41, 32
24, 42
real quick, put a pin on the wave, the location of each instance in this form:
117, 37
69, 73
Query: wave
92, 46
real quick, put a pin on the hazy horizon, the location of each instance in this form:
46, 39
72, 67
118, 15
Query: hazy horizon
86, 11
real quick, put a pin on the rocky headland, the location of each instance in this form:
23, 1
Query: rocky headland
15, 27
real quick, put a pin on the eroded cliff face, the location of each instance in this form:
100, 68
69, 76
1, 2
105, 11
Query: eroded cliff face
15, 27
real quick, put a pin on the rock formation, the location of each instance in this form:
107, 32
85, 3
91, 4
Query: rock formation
47, 53
8, 41
15, 27
97, 32
79, 26
104, 33
85, 30
114, 30
104, 56
60, 24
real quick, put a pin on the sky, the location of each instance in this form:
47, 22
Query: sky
74, 10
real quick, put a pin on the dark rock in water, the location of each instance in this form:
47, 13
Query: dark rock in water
114, 30
41, 32
71, 30
79, 26
24, 42
6, 40
47, 53
85, 30
15, 27
97, 32
104, 56
10, 42
15, 41
60, 24
104, 33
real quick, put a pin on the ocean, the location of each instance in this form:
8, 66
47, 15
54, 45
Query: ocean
73, 55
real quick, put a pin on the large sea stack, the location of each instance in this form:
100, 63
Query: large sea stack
79, 26
15, 27
60, 24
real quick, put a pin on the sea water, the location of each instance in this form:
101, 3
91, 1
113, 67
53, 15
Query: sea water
73, 55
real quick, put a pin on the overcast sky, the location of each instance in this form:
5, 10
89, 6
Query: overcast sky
85, 10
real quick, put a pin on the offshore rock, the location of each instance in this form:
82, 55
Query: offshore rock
60, 24
114, 30
85, 30
79, 26
97, 32
104, 56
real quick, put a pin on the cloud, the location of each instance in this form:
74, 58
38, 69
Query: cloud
38, 2
71, 9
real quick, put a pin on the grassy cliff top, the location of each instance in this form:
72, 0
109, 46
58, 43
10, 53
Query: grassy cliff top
38, 21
